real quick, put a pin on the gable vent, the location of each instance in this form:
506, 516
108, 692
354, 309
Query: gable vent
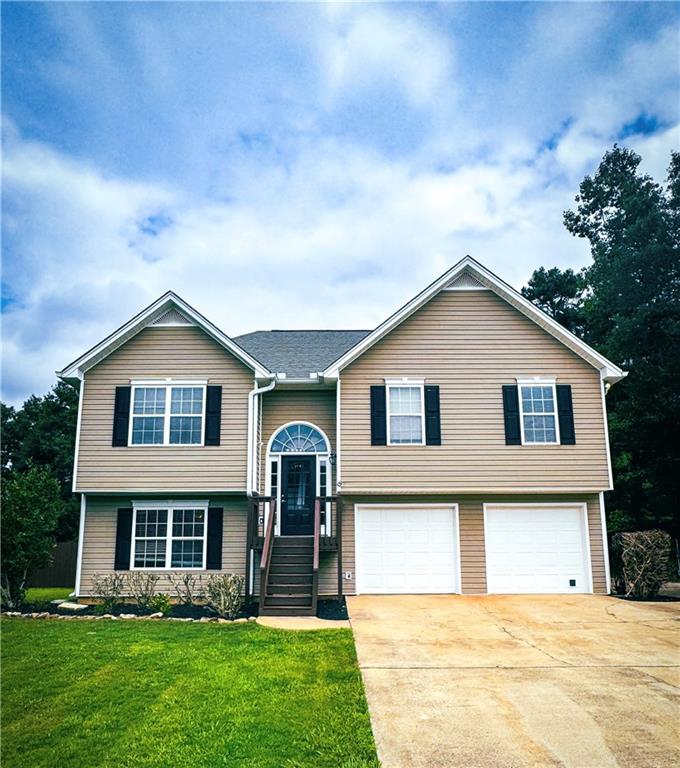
465, 282
172, 317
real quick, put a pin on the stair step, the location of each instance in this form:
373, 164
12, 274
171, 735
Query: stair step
290, 578
296, 568
282, 601
276, 588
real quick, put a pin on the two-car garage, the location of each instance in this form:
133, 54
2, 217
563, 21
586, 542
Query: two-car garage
527, 548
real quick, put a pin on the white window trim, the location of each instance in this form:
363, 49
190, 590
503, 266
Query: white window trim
168, 384
537, 381
405, 382
169, 538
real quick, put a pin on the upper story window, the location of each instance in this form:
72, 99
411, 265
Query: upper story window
167, 414
299, 438
405, 412
538, 411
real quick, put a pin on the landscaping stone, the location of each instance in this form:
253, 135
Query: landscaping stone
43, 615
75, 607
240, 621
59, 601
224, 621
205, 620
157, 615
252, 618
13, 613
127, 616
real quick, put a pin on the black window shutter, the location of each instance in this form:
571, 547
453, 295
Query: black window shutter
378, 415
213, 415
123, 540
513, 435
121, 416
214, 548
433, 432
565, 413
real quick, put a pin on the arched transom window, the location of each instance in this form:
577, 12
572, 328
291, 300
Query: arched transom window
299, 438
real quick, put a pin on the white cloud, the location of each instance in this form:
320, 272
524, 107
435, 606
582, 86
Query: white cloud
368, 46
341, 248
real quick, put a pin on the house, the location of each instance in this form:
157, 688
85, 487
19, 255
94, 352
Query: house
459, 447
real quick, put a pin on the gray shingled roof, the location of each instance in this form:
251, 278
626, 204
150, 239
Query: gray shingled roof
298, 353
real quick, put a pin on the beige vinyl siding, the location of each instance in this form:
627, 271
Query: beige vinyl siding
328, 563
178, 353
471, 525
99, 542
281, 406
470, 344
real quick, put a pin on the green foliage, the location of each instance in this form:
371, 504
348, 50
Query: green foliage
42, 433
626, 304
160, 694
31, 506
559, 294
160, 603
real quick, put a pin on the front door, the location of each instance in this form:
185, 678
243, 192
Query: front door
298, 489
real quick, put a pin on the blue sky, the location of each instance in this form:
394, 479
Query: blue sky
301, 165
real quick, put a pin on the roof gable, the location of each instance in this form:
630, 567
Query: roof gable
167, 311
469, 274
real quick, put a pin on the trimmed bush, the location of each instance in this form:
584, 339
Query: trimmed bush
189, 588
142, 586
640, 562
108, 588
224, 594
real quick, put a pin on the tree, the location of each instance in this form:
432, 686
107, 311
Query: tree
31, 506
632, 315
559, 294
42, 433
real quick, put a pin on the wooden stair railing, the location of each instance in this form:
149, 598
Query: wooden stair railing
315, 561
266, 559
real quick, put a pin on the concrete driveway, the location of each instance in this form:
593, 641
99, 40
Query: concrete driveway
516, 681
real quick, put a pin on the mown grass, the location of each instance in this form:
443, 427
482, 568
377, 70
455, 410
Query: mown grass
45, 594
148, 694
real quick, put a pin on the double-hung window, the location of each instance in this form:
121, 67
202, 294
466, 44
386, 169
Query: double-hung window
167, 414
169, 537
405, 412
538, 412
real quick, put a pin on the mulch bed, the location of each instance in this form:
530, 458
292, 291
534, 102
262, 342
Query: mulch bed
332, 609
326, 609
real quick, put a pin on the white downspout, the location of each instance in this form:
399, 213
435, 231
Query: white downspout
252, 435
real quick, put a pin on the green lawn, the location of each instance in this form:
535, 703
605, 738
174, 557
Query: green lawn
128, 694
45, 594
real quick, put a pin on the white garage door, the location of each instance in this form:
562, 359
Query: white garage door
406, 549
531, 549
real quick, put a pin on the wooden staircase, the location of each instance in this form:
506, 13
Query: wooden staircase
290, 586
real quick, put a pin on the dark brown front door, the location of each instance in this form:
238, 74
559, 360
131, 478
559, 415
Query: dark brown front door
298, 488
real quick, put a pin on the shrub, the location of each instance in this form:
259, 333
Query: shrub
108, 588
224, 594
142, 587
189, 588
160, 603
31, 505
639, 562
